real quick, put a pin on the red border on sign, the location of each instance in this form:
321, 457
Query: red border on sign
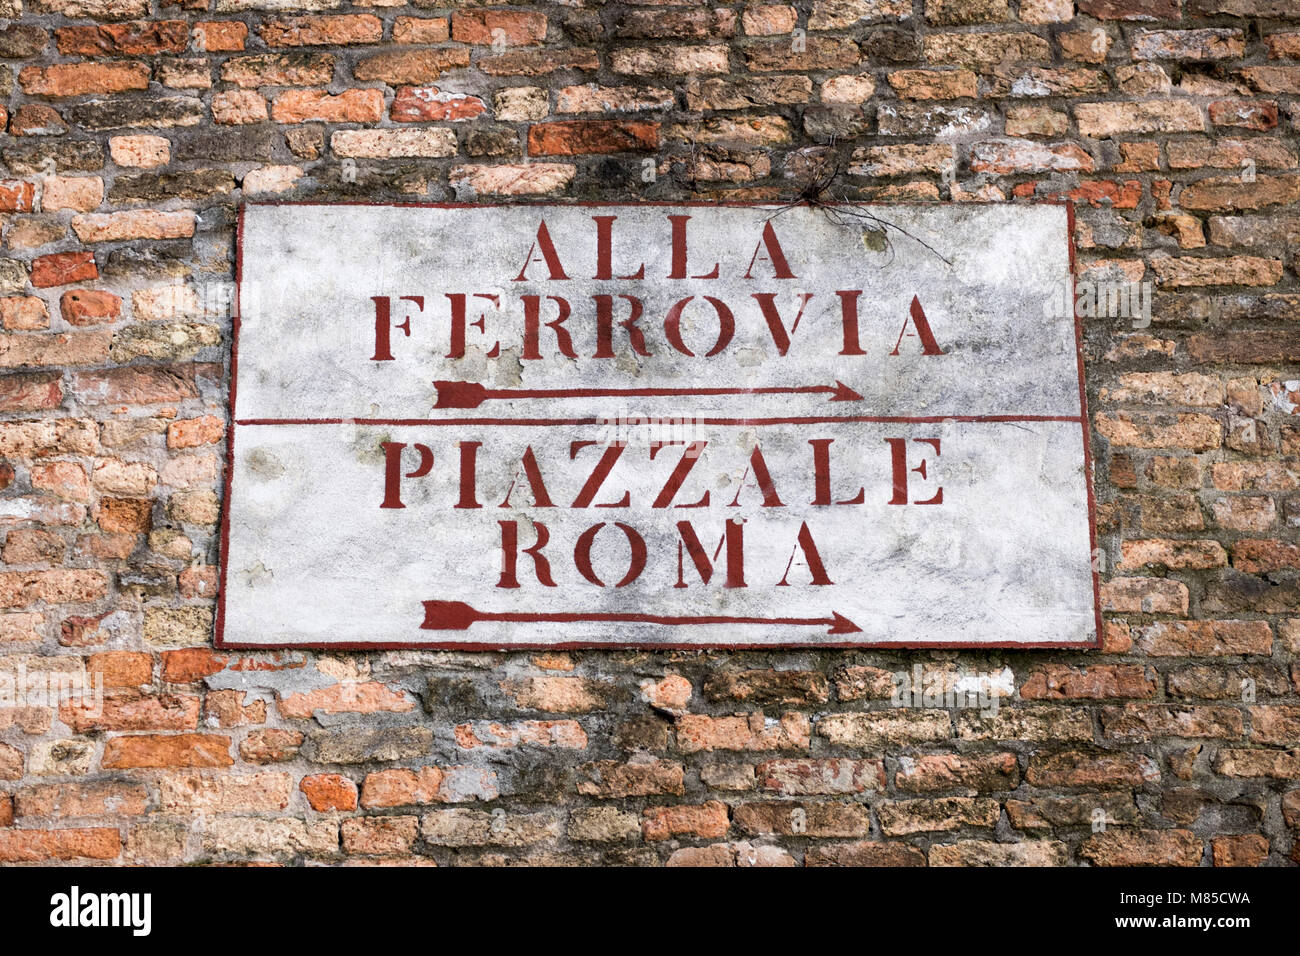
469, 646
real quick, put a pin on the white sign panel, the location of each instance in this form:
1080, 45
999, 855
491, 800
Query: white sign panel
657, 426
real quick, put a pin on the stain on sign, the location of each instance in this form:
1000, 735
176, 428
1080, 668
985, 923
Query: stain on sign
657, 426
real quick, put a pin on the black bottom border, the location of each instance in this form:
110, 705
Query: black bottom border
380, 905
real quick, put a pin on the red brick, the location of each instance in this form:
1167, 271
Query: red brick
1275, 764
287, 69
799, 777
676, 24
60, 348
23, 40
1206, 638
1257, 556
34, 846
230, 708
1261, 347
337, 30
1153, 116
36, 119
1131, 9
481, 27
1074, 768
79, 630
864, 853
98, 799
136, 38
56, 586
191, 664
1225, 194
537, 62
970, 853
938, 814
273, 745
350, 106
380, 836
524, 733
1116, 637
1254, 513
1244, 114
520, 179
1061, 682
929, 773
48, 437
707, 821
557, 694
198, 581
812, 819
425, 785
132, 711
221, 36
1118, 847
79, 79
30, 391
16, 195
592, 136
1291, 809
135, 224
420, 30
1178, 555
89, 306
121, 668
63, 268
125, 515
696, 732
1144, 596
779, 54
329, 791
1190, 430
136, 385
1102, 193
671, 695
238, 107
414, 66
768, 19
1273, 79
856, 682
420, 104
1140, 722
179, 750
1244, 850
638, 778
11, 762
1200, 520
935, 85
33, 546
351, 697
1275, 724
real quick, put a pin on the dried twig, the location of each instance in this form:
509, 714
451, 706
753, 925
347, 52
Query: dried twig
818, 194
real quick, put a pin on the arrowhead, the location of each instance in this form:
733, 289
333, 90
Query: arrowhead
448, 616
842, 625
843, 393
459, 394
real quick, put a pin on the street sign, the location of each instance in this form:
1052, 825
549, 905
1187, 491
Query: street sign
657, 426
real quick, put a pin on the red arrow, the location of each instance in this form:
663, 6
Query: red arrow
458, 616
472, 394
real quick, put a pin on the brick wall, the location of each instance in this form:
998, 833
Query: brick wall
135, 127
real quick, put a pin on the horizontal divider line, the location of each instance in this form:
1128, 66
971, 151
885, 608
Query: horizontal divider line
632, 420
